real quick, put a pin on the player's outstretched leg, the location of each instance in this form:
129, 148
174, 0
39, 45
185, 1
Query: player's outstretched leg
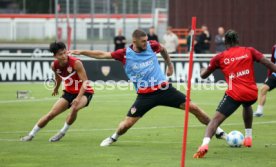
60, 106
262, 99
210, 131
204, 119
31, 135
70, 119
127, 123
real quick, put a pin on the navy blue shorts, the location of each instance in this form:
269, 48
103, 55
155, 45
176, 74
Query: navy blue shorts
170, 97
70, 97
228, 105
271, 82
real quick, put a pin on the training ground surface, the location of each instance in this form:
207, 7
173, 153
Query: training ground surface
155, 141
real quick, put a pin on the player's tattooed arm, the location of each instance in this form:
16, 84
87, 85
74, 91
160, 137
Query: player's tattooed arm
268, 64
166, 57
97, 54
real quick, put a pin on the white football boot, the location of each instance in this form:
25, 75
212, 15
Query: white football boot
57, 137
107, 142
27, 138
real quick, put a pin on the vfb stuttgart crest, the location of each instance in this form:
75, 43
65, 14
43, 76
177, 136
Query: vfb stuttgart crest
105, 70
58, 71
70, 69
133, 110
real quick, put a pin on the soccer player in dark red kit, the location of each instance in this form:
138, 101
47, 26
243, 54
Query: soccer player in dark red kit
237, 65
142, 68
77, 93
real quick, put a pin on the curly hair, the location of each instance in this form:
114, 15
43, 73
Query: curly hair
231, 38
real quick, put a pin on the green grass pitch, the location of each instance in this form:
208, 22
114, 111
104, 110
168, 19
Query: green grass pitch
155, 141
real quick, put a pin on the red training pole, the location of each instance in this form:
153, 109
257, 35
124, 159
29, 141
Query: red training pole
187, 106
69, 35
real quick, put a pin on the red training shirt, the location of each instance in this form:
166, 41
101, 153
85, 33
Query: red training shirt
70, 77
237, 65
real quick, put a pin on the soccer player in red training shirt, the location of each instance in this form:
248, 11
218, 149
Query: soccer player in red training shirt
237, 65
141, 66
77, 93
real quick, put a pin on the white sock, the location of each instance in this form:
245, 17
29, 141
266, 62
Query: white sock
115, 136
206, 141
219, 130
260, 109
35, 129
248, 133
65, 128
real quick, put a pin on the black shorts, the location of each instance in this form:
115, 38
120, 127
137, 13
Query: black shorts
228, 105
70, 97
144, 102
271, 82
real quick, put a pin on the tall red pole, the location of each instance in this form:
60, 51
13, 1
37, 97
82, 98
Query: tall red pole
187, 106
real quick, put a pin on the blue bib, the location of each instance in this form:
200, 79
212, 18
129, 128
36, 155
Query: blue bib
143, 68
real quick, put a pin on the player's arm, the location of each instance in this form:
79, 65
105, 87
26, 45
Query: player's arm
258, 56
85, 83
205, 73
213, 65
272, 59
97, 54
58, 81
268, 64
166, 57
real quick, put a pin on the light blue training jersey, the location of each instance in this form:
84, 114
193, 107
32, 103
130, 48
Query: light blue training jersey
143, 68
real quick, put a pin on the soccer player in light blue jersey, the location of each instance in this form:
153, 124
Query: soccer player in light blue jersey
142, 68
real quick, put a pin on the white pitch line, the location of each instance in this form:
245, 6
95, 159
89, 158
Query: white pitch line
50, 99
26, 101
106, 96
123, 141
271, 144
9, 140
138, 128
141, 128
153, 142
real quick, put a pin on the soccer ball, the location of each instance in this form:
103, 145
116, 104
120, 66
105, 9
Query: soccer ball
235, 138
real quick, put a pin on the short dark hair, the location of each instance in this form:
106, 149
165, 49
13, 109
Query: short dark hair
55, 46
139, 33
231, 38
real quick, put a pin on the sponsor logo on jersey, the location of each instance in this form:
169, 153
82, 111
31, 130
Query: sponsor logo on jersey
226, 61
242, 73
239, 74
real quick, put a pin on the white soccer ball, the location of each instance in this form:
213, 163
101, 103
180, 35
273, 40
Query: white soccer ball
235, 138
